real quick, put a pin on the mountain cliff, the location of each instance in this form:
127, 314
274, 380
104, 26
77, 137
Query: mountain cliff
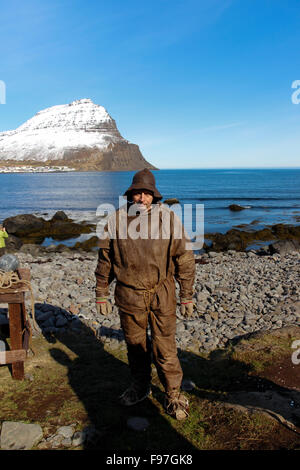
81, 135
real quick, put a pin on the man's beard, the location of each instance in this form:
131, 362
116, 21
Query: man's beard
143, 207
139, 207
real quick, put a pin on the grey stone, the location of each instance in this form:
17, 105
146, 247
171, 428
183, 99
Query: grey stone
83, 299
51, 248
44, 285
208, 318
66, 431
180, 327
19, 436
55, 441
66, 303
9, 262
66, 442
88, 434
233, 322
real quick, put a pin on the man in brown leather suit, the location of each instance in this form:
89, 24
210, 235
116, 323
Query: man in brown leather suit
145, 264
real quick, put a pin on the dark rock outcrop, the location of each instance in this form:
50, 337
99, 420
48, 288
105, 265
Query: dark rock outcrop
87, 245
59, 215
13, 243
171, 201
239, 240
31, 229
236, 207
23, 224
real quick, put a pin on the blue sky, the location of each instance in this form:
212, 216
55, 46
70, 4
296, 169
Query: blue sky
196, 84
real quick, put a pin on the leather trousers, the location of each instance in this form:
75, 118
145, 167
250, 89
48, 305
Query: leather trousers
161, 347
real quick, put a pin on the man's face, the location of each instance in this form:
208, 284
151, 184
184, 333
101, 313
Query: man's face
143, 197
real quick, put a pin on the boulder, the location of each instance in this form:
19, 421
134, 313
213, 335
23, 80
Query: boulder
19, 436
237, 240
231, 240
13, 243
284, 231
87, 245
236, 207
59, 215
32, 229
31, 248
171, 201
64, 229
9, 262
23, 224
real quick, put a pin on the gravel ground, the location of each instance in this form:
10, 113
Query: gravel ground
235, 294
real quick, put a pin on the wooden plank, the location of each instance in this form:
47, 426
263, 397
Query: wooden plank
27, 329
11, 298
9, 357
24, 273
16, 325
15, 289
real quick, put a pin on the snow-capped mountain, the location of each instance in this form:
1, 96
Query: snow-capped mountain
81, 132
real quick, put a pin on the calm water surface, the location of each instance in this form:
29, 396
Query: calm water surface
269, 195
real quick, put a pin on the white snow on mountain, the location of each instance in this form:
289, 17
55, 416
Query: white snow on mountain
46, 136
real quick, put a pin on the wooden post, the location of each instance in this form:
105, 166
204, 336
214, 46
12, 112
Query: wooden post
15, 297
16, 325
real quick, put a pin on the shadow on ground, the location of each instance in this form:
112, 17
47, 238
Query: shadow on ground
98, 378
232, 405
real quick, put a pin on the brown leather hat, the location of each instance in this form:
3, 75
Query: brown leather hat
144, 179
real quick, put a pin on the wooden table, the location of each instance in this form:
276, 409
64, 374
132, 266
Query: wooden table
15, 298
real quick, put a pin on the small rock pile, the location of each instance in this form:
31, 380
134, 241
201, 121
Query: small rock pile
24, 436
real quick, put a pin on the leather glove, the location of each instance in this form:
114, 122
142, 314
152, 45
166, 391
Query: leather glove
186, 307
103, 306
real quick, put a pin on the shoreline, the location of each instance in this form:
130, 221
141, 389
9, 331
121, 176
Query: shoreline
60, 233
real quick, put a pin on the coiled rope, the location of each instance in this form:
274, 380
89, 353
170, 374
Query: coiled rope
8, 279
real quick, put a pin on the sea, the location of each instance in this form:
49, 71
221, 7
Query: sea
268, 196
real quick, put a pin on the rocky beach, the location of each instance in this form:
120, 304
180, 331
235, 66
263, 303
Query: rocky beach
236, 293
